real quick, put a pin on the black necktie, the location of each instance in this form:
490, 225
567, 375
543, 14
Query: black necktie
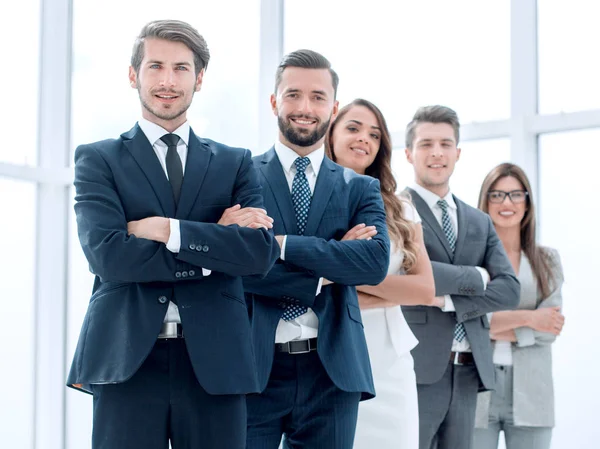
174, 166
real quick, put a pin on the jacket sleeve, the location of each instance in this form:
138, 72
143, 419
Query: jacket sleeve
351, 262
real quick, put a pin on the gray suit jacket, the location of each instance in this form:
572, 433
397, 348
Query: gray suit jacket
455, 274
533, 394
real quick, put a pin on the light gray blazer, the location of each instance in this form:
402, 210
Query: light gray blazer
533, 394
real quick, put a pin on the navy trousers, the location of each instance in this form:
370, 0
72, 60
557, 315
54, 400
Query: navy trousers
164, 402
303, 405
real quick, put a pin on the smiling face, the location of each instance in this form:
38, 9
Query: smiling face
356, 139
507, 214
166, 82
433, 155
304, 104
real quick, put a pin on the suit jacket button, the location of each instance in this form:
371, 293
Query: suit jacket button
178, 274
162, 299
466, 316
192, 273
198, 247
192, 246
184, 274
205, 248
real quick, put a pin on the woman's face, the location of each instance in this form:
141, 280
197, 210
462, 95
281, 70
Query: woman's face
508, 213
356, 139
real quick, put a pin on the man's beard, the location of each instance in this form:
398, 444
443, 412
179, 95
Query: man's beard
164, 114
302, 137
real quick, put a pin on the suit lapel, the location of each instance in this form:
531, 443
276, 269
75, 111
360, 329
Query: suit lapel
140, 148
463, 224
320, 198
273, 171
198, 159
428, 217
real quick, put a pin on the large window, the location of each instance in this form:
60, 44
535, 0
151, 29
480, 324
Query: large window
402, 55
568, 44
569, 222
17, 289
19, 80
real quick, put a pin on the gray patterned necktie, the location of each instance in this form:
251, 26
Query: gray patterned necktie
459, 329
301, 198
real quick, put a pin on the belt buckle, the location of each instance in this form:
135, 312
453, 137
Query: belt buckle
456, 361
302, 351
169, 330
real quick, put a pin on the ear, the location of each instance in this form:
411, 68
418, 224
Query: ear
273, 101
408, 153
199, 79
336, 106
458, 154
132, 77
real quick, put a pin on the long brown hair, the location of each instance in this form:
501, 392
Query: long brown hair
399, 228
539, 258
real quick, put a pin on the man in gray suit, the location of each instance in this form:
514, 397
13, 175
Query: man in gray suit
473, 277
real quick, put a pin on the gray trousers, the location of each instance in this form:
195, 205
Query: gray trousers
501, 419
447, 409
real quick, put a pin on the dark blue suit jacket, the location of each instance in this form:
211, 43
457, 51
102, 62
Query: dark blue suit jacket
121, 180
341, 200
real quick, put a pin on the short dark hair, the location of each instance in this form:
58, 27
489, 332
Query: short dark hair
306, 59
174, 31
432, 114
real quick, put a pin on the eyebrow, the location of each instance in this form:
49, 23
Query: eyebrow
358, 122
294, 90
431, 140
161, 62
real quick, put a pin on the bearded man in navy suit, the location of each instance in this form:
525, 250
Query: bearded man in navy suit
169, 222
312, 360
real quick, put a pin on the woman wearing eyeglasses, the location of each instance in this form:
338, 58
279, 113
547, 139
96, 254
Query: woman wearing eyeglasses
523, 403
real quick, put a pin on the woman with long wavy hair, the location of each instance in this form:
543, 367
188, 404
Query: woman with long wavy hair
522, 406
360, 140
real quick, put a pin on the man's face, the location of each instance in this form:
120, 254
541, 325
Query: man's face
304, 104
433, 155
166, 82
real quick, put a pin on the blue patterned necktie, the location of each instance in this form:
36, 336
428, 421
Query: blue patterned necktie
301, 199
459, 329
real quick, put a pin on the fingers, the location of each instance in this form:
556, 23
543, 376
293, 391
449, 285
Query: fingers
253, 217
360, 232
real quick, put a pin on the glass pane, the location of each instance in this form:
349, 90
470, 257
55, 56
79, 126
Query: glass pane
568, 37
402, 55
19, 46
569, 222
17, 290
477, 158
104, 104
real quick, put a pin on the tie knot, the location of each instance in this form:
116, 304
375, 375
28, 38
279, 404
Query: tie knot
170, 139
301, 164
443, 204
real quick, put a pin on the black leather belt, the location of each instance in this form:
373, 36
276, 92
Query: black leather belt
297, 346
462, 358
171, 330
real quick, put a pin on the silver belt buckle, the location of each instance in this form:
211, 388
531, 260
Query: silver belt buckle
168, 330
456, 355
307, 350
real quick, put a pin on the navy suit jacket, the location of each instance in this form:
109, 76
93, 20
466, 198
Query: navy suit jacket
120, 180
341, 200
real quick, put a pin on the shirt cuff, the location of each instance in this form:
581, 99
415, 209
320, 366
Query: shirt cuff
174, 243
525, 336
485, 276
282, 255
205, 272
448, 304
320, 286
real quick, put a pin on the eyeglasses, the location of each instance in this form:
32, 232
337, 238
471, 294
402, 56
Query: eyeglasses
516, 196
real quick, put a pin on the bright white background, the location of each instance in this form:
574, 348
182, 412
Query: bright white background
470, 55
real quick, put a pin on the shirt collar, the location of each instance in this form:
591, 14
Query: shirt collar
431, 198
287, 156
154, 132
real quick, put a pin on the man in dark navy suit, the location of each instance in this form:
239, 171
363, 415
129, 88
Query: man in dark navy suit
313, 365
169, 223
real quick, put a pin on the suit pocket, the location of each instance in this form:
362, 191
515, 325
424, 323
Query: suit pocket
485, 322
415, 316
231, 297
354, 313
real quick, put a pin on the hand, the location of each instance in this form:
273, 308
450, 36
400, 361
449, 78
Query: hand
360, 232
326, 282
246, 217
151, 228
547, 320
279, 239
438, 301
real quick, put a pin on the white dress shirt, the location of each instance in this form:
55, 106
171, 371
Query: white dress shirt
154, 132
306, 325
431, 199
